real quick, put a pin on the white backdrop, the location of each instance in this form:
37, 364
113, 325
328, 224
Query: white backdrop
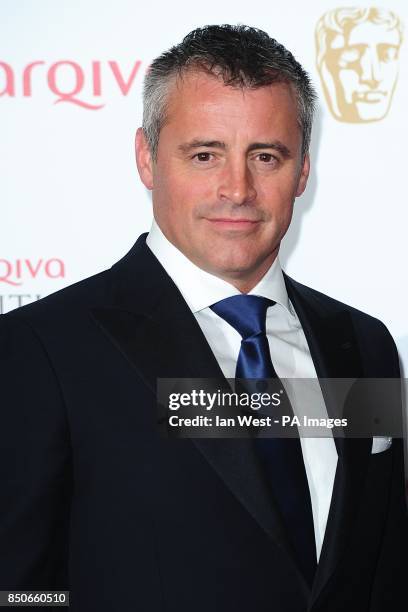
71, 201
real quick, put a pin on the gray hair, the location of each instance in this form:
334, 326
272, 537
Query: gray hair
242, 56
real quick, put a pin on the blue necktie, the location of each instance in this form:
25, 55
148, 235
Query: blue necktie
281, 458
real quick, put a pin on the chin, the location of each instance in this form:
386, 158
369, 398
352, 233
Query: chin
235, 268
226, 259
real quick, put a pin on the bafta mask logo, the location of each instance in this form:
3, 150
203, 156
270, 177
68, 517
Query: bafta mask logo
357, 59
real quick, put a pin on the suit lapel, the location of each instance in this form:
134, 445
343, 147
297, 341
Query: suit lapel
334, 350
149, 322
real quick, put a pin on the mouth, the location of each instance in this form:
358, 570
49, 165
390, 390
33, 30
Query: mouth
233, 224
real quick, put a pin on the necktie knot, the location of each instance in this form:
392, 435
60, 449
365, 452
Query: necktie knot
245, 313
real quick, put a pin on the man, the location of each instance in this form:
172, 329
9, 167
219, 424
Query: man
93, 500
357, 58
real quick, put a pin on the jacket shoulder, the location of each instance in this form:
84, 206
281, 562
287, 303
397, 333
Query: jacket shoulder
329, 305
89, 292
371, 333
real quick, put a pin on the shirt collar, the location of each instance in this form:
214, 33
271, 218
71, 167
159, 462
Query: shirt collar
201, 289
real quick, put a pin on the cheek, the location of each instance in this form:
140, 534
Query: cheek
176, 200
184, 188
275, 197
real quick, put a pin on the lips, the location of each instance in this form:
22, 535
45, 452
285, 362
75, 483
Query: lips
233, 224
227, 220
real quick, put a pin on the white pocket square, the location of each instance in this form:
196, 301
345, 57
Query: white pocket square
380, 444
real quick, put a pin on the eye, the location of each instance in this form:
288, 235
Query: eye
267, 158
203, 157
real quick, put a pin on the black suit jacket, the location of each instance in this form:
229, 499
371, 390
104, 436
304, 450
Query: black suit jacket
94, 501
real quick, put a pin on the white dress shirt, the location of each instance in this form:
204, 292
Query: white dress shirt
287, 343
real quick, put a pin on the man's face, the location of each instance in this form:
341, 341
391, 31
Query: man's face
228, 169
364, 67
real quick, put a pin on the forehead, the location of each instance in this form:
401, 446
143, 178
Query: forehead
200, 97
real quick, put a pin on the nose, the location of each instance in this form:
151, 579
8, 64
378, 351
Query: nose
371, 68
237, 184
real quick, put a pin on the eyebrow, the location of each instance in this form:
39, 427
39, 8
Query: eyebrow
276, 145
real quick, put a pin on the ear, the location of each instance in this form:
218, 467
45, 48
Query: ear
304, 175
144, 160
